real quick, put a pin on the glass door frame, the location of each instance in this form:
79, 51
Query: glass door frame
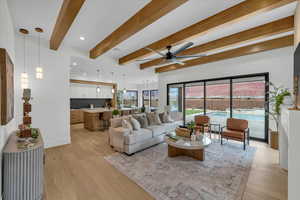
265, 75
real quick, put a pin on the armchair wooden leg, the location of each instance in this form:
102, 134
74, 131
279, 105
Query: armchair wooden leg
244, 143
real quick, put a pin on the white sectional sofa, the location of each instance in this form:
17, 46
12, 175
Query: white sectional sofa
129, 142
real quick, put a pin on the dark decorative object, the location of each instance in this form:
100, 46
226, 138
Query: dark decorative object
25, 128
6, 88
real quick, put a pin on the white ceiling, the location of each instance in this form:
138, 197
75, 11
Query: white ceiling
98, 18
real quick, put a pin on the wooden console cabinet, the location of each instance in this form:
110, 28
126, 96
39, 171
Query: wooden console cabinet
77, 116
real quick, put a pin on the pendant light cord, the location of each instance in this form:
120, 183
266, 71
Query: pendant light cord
39, 53
24, 67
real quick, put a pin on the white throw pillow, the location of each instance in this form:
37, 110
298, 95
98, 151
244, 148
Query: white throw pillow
167, 118
126, 124
135, 124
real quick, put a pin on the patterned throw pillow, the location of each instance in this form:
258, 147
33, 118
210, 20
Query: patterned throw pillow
142, 120
135, 124
126, 124
153, 119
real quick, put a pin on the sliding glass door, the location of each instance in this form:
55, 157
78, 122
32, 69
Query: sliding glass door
218, 101
194, 100
248, 102
242, 97
175, 101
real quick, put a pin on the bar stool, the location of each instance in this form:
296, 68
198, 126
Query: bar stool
107, 115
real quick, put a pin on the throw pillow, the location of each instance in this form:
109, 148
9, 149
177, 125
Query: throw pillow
135, 124
157, 119
167, 118
161, 117
151, 119
126, 124
142, 120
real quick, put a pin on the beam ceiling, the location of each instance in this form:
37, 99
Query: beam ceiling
234, 14
67, 15
263, 31
146, 16
242, 51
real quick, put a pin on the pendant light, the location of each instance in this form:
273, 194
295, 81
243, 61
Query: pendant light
39, 69
98, 87
112, 81
24, 75
124, 90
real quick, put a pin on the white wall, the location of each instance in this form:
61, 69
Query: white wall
7, 41
50, 104
278, 62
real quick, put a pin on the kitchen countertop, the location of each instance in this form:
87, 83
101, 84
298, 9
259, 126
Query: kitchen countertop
99, 110
96, 110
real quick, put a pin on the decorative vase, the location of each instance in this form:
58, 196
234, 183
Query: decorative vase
288, 100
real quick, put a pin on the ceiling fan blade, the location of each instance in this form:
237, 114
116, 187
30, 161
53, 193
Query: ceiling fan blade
178, 62
184, 47
155, 51
192, 56
147, 59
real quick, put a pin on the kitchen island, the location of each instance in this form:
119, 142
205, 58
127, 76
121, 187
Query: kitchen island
93, 118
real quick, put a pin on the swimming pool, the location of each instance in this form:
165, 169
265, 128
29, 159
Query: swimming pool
250, 117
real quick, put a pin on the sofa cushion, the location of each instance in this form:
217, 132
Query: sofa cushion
157, 130
233, 134
138, 136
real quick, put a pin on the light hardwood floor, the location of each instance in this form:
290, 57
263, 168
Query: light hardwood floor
79, 172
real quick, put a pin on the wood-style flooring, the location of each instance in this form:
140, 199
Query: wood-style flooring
79, 172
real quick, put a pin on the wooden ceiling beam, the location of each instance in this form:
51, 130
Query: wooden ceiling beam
114, 85
67, 14
266, 30
234, 14
242, 51
146, 16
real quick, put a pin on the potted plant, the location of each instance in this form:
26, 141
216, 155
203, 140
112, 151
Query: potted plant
276, 99
191, 126
116, 113
143, 109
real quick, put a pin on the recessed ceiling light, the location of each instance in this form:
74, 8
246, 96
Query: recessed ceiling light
82, 38
74, 63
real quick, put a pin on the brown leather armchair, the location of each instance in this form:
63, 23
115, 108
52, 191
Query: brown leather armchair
236, 129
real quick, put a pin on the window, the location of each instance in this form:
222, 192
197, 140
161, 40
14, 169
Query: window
154, 96
146, 98
130, 99
152, 99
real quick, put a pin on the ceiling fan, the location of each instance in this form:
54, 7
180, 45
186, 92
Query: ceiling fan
171, 57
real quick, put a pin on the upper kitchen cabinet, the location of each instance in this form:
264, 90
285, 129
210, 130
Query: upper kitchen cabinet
90, 91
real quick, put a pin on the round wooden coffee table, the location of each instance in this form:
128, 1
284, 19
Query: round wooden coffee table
184, 146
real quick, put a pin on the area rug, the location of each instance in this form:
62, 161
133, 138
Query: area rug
222, 176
